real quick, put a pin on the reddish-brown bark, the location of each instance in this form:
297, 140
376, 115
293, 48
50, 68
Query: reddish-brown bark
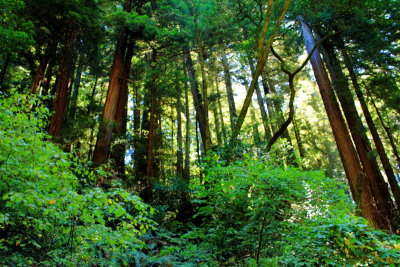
359, 185
63, 86
40, 71
104, 137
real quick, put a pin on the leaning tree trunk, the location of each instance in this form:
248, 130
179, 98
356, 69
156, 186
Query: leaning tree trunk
340, 84
63, 86
386, 128
358, 183
371, 125
263, 47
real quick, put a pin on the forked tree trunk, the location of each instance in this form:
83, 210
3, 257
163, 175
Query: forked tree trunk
263, 47
63, 86
358, 183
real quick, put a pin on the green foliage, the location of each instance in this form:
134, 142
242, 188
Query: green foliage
46, 214
339, 241
15, 32
254, 211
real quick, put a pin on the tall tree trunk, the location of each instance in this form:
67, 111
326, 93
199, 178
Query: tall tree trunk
298, 139
264, 116
104, 137
371, 125
44, 60
386, 128
121, 116
228, 86
3, 71
358, 183
179, 137
90, 109
102, 149
340, 84
141, 143
201, 112
256, 132
221, 116
268, 102
48, 76
217, 123
187, 135
151, 138
75, 92
63, 86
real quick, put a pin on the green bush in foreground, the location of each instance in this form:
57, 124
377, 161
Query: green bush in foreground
46, 215
256, 213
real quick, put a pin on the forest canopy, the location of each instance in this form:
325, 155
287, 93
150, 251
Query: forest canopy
199, 133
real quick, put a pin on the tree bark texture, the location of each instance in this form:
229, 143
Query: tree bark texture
187, 135
260, 100
104, 137
43, 63
371, 169
102, 149
179, 135
63, 86
201, 112
229, 90
371, 125
75, 92
121, 116
358, 183
3, 71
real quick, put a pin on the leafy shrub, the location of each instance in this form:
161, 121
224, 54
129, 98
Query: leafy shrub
256, 213
245, 205
47, 216
344, 241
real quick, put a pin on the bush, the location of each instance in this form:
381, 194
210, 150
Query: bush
47, 216
256, 213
